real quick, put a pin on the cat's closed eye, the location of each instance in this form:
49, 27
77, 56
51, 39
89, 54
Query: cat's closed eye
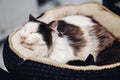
31, 32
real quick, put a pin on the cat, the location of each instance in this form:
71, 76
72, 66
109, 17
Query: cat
69, 38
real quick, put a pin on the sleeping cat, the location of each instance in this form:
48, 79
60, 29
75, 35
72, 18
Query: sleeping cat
69, 38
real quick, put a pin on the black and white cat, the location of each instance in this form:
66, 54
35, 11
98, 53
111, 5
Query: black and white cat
69, 38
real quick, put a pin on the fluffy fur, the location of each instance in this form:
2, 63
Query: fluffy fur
85, 24
70, 38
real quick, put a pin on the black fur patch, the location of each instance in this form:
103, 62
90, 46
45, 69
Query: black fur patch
46, 33
110, 55
74, 34
88, 61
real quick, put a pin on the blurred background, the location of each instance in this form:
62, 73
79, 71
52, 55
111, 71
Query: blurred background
14, 13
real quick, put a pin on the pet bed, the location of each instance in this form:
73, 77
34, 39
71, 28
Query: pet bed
23, 66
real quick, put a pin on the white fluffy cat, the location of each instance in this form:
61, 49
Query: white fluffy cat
70, 38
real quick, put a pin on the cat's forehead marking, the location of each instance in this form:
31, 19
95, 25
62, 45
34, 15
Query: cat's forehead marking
31, 26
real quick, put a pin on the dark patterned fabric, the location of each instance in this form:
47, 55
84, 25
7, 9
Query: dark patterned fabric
113, 5
4, 75
31, 70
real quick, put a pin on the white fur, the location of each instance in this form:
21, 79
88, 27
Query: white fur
37, 44
85, 24
62, 51
29, 31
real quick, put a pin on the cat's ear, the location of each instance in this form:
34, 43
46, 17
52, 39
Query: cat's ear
31, 18
90, 60
53, 25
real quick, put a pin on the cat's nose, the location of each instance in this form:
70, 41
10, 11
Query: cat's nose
23, 37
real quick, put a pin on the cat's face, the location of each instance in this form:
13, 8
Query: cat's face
29, 33
36, 32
